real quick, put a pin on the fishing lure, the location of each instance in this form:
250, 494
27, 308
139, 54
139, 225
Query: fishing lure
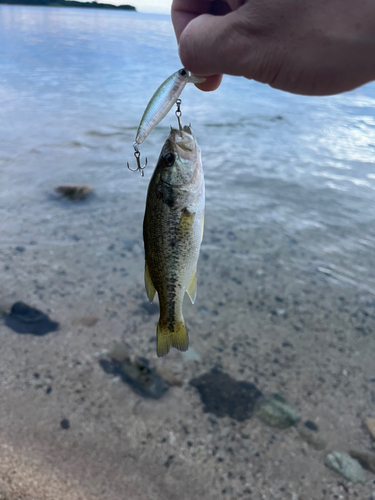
160, 104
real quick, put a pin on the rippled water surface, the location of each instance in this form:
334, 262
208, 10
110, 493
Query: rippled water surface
74, 85
290, 189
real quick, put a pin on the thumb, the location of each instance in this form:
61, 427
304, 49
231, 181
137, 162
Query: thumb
212, 45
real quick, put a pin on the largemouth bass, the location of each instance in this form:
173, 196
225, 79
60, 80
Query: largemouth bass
172, 233
163, 100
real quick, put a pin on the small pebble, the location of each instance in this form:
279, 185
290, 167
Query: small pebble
65, 424
311, 425
74, 191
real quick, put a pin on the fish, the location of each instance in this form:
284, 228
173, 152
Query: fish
172, 234
162, 101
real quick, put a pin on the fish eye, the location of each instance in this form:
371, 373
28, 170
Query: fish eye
169, 159
183, 72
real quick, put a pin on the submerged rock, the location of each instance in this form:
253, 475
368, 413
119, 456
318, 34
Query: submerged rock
366, 460
346, 466
275, 411
65, 424
138, 374
311, 425
74, 191
224, 396
26, 319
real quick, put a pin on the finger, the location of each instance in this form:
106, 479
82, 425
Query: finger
184, 11
211, 45
212, 83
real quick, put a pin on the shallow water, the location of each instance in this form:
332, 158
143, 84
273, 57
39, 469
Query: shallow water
290, 186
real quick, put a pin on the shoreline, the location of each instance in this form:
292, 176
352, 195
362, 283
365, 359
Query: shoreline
72, 4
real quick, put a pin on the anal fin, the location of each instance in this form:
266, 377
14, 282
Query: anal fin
192, 288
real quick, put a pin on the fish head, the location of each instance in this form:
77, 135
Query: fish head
180, 158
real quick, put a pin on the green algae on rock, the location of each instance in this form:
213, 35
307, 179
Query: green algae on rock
275, 411
346, 466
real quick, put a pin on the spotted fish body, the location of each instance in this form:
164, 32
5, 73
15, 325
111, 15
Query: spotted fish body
162, 101
172, 233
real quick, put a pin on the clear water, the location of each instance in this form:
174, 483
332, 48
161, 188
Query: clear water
290, 180
74, 84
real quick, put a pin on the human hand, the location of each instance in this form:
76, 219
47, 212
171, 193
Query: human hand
310, 47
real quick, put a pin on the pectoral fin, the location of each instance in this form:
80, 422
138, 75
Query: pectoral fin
192, 288
150, 289
186, 221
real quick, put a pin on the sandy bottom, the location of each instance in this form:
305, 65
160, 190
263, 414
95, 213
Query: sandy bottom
265, 314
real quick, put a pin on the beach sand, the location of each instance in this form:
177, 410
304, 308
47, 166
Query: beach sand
267, 313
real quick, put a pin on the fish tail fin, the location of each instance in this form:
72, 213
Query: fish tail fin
166, 338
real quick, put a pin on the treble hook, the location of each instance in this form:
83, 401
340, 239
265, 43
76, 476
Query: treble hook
178, 114
137, 156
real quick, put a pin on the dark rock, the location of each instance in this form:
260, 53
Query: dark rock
365, 459
311, 425
224, 396
26, 319
65, 424
20, 249
275, 411
74, 191
49, 390
139, 375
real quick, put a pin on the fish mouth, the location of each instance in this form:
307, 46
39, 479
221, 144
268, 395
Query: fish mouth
183, 139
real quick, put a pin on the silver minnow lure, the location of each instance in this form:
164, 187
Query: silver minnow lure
163, 100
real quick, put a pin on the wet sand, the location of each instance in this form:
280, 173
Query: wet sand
267, 312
